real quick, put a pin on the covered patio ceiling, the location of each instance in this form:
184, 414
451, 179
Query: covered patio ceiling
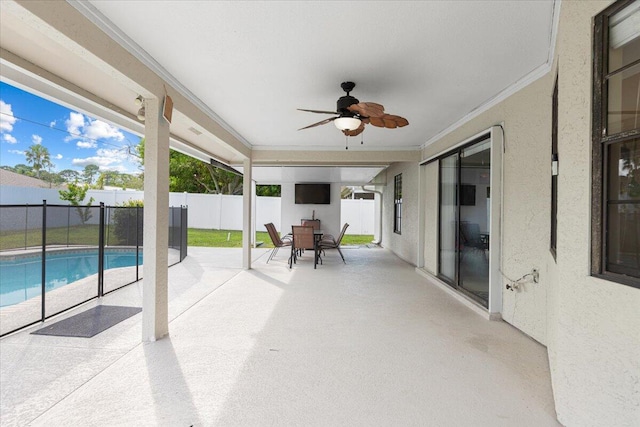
248, 67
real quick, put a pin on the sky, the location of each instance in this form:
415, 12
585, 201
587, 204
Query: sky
73, 139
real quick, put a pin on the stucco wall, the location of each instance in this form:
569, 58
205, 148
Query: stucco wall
404, 245
595, 350
431, 173
591, 326
526, 118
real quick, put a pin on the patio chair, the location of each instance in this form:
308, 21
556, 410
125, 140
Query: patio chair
470, 238
315, 223
276, 240
303, 238
329, 242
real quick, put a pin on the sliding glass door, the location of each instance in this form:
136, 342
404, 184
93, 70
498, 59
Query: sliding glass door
448, 218
465, 218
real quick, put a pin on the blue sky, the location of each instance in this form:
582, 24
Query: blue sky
74, 140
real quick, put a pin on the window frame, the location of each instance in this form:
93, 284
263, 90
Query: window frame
600, 143
397, 204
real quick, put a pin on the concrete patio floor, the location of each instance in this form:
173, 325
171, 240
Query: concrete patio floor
366, 343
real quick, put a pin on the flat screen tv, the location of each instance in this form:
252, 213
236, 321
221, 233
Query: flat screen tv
467, 195
313, 194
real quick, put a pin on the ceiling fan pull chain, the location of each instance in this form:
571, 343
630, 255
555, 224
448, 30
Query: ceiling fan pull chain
362, 138
346, 142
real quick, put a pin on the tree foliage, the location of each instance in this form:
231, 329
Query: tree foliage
89, 172
188, 174
38, 157
120, 180
75, 194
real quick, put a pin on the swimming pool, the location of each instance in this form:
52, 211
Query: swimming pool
21, 278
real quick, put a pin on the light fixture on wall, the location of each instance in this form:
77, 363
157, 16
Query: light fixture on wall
347, 123
141, 112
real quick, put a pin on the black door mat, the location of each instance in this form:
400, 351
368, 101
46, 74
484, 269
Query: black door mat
90, 322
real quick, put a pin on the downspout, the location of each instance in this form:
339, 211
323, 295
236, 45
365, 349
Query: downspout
379, 224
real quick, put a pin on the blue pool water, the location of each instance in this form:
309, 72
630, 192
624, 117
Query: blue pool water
21, 279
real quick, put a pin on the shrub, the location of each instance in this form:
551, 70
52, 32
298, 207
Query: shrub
126, 229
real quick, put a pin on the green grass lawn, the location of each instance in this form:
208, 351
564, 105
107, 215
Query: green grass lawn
233, 238
88, 235
77, 235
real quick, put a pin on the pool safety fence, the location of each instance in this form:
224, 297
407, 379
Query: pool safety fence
56, 257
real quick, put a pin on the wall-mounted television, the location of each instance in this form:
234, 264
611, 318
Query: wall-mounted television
467, 195
313, 194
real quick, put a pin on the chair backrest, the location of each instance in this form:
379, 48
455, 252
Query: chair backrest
275, 238
302, 237
315, 223
344, 229
470, 232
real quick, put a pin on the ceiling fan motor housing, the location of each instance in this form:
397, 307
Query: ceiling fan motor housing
344, 102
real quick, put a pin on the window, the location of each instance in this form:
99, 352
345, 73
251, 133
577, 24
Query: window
554, 170
616, 144
397, 204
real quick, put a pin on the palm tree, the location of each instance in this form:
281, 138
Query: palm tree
38, 156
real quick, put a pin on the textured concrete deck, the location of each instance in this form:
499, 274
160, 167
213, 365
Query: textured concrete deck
367, 343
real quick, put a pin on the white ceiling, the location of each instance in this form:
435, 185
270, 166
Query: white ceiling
253, 63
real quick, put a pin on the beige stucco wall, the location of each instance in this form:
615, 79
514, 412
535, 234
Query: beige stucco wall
431, 209
591, 326
526, 118
404, 245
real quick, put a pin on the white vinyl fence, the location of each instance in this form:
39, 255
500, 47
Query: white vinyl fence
208, 211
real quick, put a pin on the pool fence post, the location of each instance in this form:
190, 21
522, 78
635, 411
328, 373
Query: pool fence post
26, 225
101, 252
44, 256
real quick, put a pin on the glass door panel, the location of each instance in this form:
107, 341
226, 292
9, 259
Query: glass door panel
475, 171
448, 217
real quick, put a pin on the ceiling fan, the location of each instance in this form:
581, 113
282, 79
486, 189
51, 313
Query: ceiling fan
352, 115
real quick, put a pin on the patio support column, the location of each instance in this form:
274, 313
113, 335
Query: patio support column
246, 214
155, 309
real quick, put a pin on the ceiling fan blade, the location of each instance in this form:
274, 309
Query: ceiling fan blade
322, 122
367, 109
356, 131
399, 121
317, 111
389, 121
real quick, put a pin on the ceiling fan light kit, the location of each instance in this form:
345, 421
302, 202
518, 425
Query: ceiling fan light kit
347, 123
352, 115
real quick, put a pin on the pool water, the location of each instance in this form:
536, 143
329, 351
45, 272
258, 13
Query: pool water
21, 279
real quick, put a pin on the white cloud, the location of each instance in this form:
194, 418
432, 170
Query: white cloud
36, 139
89, 131
9, 138
105, 159
98, 129
16, 152
74, 124
86, 144
52, 124
7, 120
100, 161
58, 156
